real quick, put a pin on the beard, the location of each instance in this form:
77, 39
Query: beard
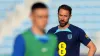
63, 23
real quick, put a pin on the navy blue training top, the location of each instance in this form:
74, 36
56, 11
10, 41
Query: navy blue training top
72, 36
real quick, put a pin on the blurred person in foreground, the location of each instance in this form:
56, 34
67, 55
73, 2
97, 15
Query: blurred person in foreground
70, 34
34, 41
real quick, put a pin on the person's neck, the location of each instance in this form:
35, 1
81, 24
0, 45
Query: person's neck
37, 31
64, 26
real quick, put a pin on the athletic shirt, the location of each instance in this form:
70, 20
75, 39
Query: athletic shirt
30, 44
72, 37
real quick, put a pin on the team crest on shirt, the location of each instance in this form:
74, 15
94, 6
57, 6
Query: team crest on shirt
69, 36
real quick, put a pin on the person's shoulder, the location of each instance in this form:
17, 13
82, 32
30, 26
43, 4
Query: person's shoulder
26, 31
76, 28
53, 29
19, 36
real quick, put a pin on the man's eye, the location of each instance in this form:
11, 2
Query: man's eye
60, 15
66, 16
40, 16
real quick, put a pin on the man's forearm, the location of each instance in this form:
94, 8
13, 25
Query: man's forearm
91, 52
92, 48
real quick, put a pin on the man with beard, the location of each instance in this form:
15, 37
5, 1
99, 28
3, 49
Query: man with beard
69, 36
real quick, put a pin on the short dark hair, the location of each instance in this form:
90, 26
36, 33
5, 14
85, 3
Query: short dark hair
38, 5
66, 7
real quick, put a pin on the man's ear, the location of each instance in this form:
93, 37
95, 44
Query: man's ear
30, 15
58, 14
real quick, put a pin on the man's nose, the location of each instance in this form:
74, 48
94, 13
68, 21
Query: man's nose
62, 18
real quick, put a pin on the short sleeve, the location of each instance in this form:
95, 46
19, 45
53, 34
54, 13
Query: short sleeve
83, 37
19, 47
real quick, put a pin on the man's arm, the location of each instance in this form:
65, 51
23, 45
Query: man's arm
19, 47
92, 48
87, 42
